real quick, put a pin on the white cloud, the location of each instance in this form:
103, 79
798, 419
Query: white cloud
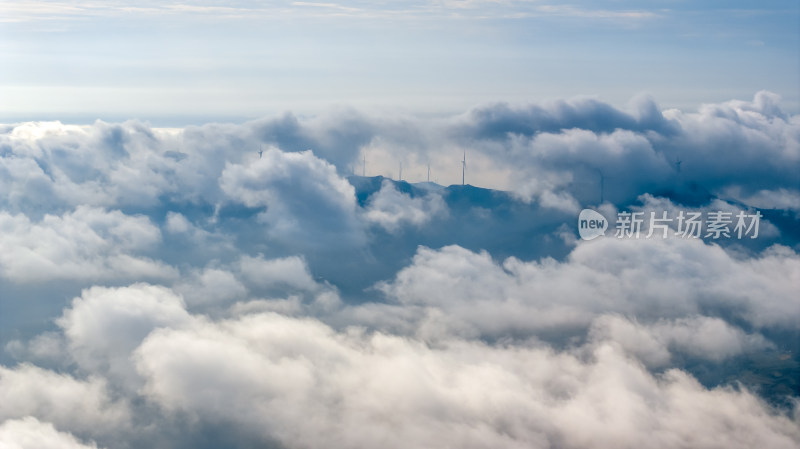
30, 433
467, 347
307, 203
783, 199
391, 208
104, 325
306, 385
210, 286
47, 347
177, 223
557, 149
87, 243
647, 278
292, 272
31, 11
84, 406
698, 336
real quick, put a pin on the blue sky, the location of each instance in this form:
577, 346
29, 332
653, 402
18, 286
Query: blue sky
196, 61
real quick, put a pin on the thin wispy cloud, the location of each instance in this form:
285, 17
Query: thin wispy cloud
39, 10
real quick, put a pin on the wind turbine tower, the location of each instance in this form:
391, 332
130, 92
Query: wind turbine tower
463, 167
602, 184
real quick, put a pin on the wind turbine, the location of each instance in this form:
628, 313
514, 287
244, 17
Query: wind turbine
678, 163
463, 167
429, 172
602, 184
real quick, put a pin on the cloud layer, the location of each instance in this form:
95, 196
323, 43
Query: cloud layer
237, 286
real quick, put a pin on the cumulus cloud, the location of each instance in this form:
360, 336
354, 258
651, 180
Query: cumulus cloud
226, 298
84, 406
306, 201
52, 166
650, 279
390, 208
104, 325
501, 120
177, 223
210, 285
752, 145
698, 336
308, 386
30, 433
292, 272
87, 243
336, 137
782, 199
304, 383
537, 150
45, 348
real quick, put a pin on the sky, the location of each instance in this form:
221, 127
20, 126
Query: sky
205, 241
173, 63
